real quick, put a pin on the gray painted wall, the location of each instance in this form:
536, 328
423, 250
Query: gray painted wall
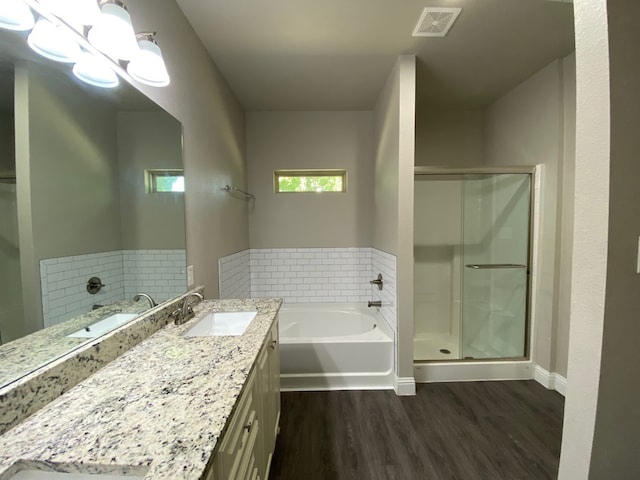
590, 226
565, 218
617, 427
68, 192
149, 140
526, 127
394, 139
7, 153
214, 138
450, 138
386, 118
10, 287
310, 140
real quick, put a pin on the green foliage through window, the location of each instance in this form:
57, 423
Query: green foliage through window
287, 181
164, 181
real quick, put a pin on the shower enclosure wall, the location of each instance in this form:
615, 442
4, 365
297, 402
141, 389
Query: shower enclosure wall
471, 266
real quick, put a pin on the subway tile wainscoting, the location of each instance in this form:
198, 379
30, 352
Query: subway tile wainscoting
235, 275
311, 275
159, 273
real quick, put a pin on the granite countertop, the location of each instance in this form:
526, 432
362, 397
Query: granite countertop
158, 409
20, 357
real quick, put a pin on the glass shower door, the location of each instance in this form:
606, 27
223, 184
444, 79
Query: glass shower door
495, 255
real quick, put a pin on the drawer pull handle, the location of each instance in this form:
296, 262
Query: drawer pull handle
273, 344
248, 426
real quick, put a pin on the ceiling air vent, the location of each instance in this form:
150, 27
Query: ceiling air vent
436, 22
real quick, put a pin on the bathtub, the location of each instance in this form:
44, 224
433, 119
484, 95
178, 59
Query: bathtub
334, 347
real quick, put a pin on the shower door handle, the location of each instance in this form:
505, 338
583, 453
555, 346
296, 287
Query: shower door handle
487, 266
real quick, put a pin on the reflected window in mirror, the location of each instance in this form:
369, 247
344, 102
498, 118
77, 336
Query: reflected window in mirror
74, 206
164, 180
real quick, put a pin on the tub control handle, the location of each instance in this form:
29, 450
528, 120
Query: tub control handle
248, 426
378, 281
94, 285
273, 344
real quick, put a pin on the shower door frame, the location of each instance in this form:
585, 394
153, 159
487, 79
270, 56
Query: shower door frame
527, 170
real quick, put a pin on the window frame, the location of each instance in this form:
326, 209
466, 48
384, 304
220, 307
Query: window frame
152, 174
311, 172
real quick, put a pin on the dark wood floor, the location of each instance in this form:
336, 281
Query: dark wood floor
466, 431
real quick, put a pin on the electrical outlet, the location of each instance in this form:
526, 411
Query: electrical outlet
190, 281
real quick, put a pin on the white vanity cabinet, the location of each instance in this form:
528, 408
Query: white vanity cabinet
236, 457
268, 367
247, 446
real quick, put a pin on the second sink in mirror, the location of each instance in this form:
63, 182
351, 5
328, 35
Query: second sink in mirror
103, 326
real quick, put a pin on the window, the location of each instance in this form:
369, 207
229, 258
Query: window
164, 180
300, 181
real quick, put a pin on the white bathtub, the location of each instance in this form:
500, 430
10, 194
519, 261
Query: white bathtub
334, 347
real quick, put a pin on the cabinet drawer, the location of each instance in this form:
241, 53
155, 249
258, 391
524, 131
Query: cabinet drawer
237, 436
244, 458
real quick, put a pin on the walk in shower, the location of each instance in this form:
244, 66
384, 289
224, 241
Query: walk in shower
471, 264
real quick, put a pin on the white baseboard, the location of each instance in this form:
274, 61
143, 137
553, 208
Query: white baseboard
293, 382
472, 371
405, 386
551, 381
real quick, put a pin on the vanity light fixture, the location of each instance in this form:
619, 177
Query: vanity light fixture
113, 32
74, 12
95, 71
147, 66
54, 42
97, 36
16, 15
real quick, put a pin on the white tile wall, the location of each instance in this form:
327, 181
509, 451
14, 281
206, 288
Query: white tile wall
160, 273
64, 284
234, 275
303, 275
385, 263
324, 275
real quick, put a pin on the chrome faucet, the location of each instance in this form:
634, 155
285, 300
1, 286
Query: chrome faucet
152, 303
186, 312
374, 303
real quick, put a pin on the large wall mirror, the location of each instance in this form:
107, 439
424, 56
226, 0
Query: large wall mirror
77, 203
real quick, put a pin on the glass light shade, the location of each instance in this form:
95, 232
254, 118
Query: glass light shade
95, 71
113, 33
76, 12
148, 66
54, 42
15, 15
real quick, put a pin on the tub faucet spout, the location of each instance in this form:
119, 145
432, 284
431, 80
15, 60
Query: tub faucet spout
374, 303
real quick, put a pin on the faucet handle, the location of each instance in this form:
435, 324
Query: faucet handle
377, 281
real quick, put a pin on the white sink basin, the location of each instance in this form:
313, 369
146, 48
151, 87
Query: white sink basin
221, 324
103, 326
40, 475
